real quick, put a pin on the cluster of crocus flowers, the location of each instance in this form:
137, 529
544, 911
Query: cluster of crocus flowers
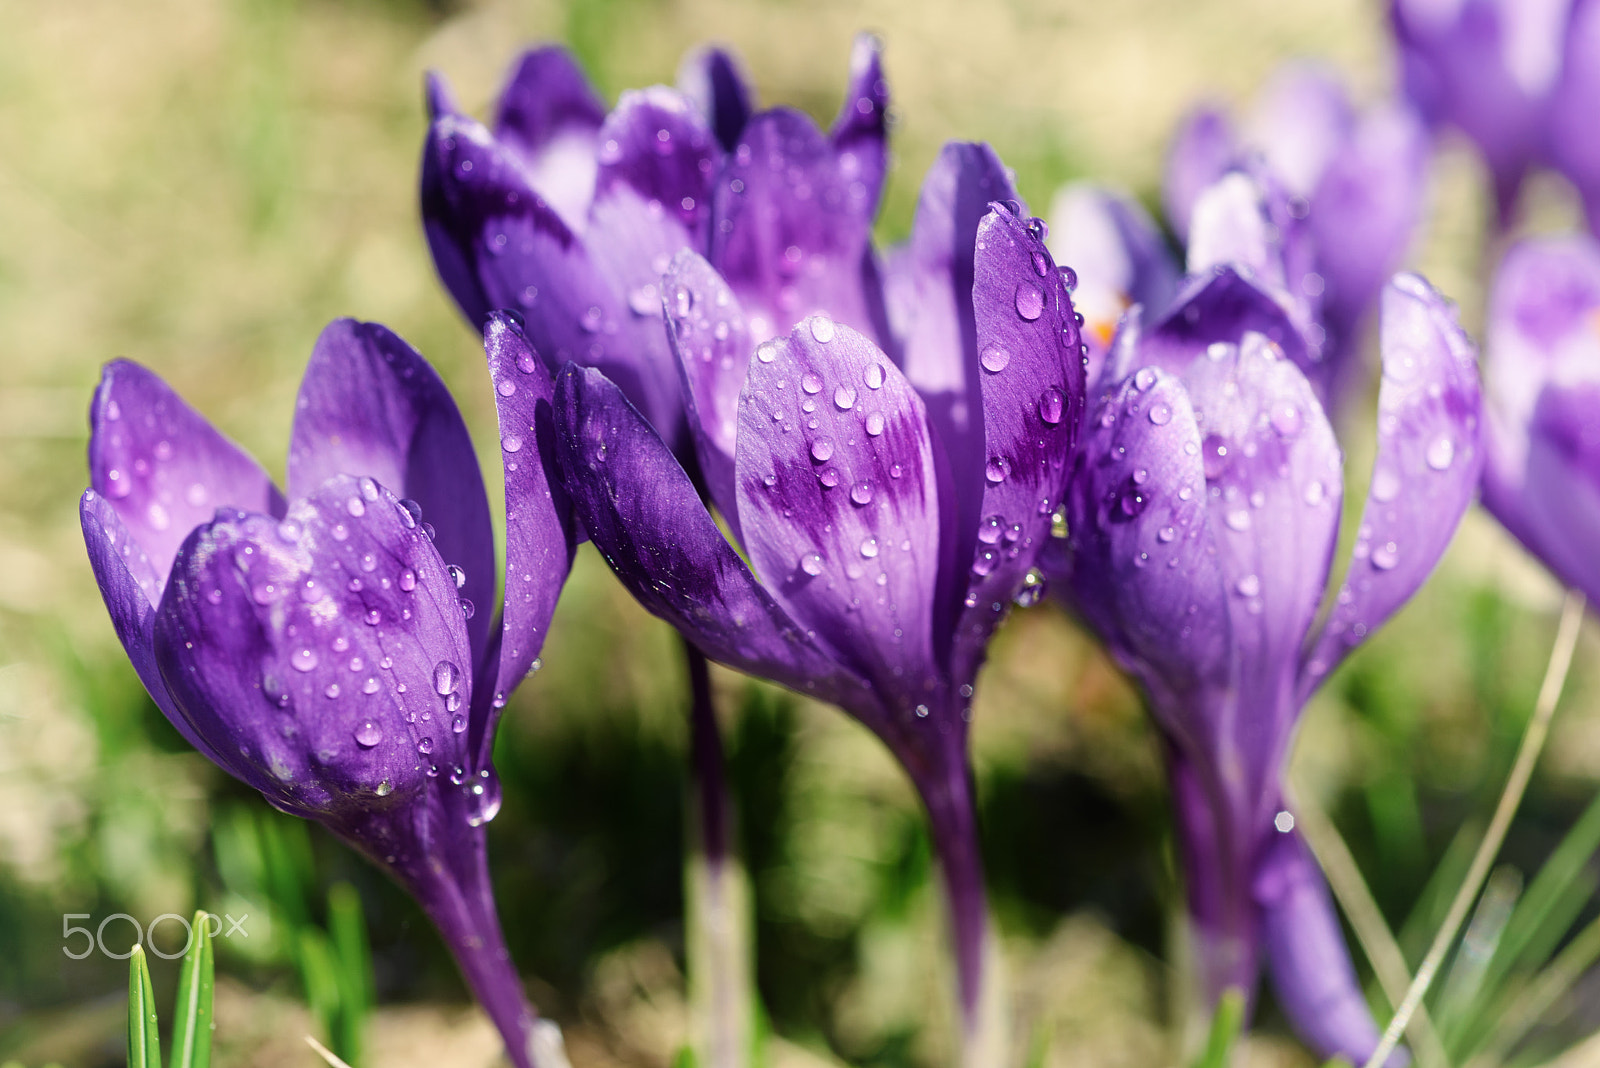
1520, 78
338, 651
1203, 514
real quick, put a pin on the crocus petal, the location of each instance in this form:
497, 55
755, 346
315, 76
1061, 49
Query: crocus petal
714, 80
656, 146
792, 228
1202, 150
1219, 307
1572, 109
706, 327
1119, 257
644, 515
437, 99
539, 520
550, 117
1310, 965
929, 294
1301, 119
162, 466
860, 131
1141, 566
131, 589
1229, 226
1429, 415
323, 656
838, 501
478, 209
1542, 366
369, 404
1273, 487
1032, 390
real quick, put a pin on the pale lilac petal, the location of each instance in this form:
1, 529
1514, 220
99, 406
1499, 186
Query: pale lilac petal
644, 515
323, 656
1119, 257
163, 467
371, 406
549, 117
1203, 150
539, 524
1313, 978
715, 81
838, 502
860, 131
707, 329
1302, 120
1031, 384
1230, 227
1574, 105
657, 148
1426, 472
792, 228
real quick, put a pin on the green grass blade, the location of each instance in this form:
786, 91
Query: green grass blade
1434, 901
144, 1040
319, 973
347, 929
1528, 940
192, 1018
1225, 1026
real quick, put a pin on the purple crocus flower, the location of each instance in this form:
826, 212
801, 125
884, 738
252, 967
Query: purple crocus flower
1542, 475
1488, 68
1203, 516
890, 513
1573, 145
572, 215
1342, 190
326, 650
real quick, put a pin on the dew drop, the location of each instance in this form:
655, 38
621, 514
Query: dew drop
1249, 586
875, 424
303, 659
368, 735
511, 443
370, 686
1386, 556
875, 376
821, 450
997, 469
811, 564
1166, 534
1385, 484
1144, 378
1238, 520
767, 351
1286, 419
844, 398
869, 547
425, 746
458, 723
1441, 453
829, 477
994, 357
408, 580
355, 507
332, 691
444, 677
861, 493
822, 328
1029, 301
1160, 413
457, 575
811, 382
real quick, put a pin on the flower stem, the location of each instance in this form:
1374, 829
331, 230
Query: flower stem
954, 826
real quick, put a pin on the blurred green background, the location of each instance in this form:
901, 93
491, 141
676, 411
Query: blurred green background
200, 185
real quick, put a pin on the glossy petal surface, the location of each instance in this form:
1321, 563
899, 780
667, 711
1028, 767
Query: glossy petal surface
1426, 472
539, 525
162, 466
792, 227
317, 653
709, 336
644, 516
1031, 384
860, 131
838, 502
371, 405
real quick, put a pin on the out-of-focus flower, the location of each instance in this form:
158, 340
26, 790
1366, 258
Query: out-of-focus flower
1542, 474
1487, 68
1118, 257
1203, 515
890, 513
327, 651
571, 215
1342, 193
1573, 145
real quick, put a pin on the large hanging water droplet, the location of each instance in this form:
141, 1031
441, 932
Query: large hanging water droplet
457, 575
445, 675
1029, 300
1052, 405
997, 469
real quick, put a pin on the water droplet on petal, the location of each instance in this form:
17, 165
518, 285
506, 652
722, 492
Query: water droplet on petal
875, 424
1385, 556
408, 580
1441, 453
425, 746
1160, 413
1286, 419
445, 675
822, 328
1249, 586
1238, 520
370, 686
303, 659
511, 443
821, 449
861, 493
997, 469
1029, 300
1385, 484
1144, 378
995, 358
875, 376
368, 734
767, 351
869, 547
1052, 405
811, 382
811, 564
844, 398
355, 507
